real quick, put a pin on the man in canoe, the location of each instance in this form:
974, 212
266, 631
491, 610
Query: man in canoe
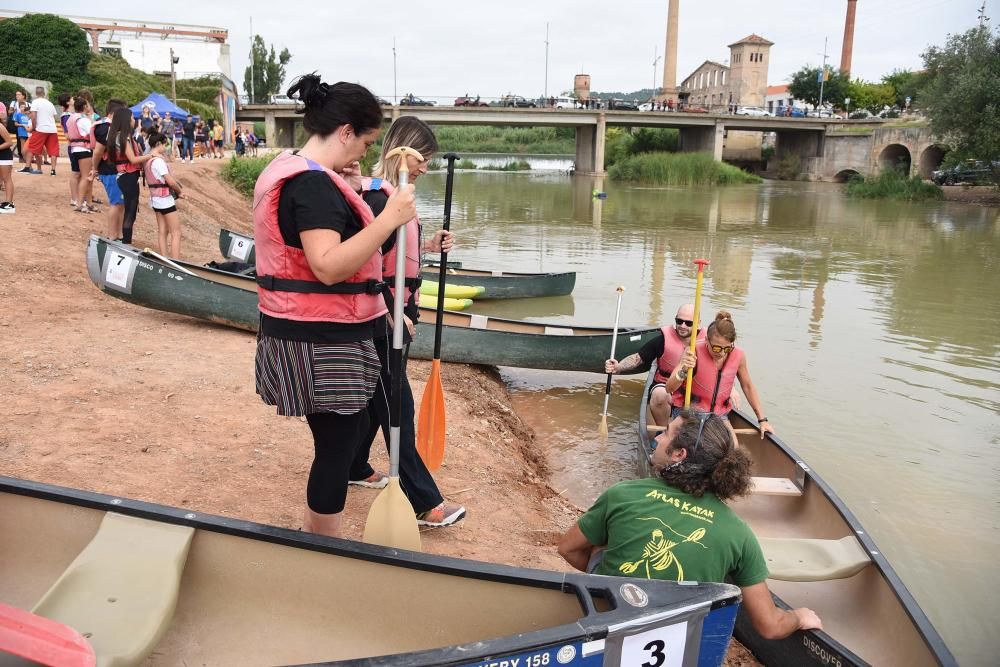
667, 349
677, 526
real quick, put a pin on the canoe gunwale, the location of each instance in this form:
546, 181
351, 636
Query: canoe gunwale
592, 625
910, 605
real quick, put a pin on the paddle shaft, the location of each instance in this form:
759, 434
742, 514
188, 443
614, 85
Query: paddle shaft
694, 330
443, 270
396, 358
614, 344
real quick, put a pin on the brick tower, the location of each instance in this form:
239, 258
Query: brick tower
848, 50
670, 53
748, 60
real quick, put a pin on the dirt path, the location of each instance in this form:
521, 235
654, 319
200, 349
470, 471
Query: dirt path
110, 397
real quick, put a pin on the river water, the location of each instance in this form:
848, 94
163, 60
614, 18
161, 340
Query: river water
870, 329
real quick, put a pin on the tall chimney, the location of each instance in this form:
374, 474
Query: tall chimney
845, 55
670, 55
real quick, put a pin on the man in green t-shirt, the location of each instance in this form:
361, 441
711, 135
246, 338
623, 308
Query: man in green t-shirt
677, 527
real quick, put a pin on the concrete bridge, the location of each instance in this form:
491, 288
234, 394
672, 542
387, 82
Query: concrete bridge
828, 149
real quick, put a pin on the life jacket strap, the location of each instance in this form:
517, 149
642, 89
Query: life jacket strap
413, 284
315, 287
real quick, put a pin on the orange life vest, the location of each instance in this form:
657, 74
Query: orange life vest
122, 163
712, 387
673, 350
287, 287
413, 229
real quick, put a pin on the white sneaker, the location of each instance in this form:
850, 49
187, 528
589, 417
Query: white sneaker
6, 207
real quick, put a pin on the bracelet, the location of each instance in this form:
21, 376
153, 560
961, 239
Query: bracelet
761, 420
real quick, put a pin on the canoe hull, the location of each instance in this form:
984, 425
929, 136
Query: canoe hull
498, 285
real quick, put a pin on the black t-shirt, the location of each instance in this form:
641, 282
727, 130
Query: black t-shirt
652, 350
311, 201
189, 130
105, 167
376, 200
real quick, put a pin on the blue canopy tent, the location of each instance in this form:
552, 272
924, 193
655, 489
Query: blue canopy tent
161, 105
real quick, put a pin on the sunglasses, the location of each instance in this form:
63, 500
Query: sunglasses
688, 323
722, 349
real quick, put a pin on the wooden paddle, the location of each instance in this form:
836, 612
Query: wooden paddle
431, 421
602, 430
42, 640
391, 519
702, 263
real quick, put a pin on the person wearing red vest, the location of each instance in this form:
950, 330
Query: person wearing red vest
81, 153
124, 153
418, 484
666, 350
319, 277
717, 364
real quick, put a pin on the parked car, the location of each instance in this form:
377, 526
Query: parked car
466, 101
281, 99
821, 113
970, 171
646, 106
622, 105
752, 111
860, 114
516, 101
790, 112
411, 101
384, 102
565, 103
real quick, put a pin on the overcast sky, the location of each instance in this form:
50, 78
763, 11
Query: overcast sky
449, 47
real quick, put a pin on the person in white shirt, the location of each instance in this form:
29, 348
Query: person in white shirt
81, 154
44, 137
162, 189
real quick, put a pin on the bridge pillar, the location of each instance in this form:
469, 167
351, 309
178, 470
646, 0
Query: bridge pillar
590, 147
270, 131
286, 132
703, 139
395, 112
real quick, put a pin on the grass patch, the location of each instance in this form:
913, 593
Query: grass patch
514, 140
678, 169
242, 173
893, 184
788, 168
435, 165
465, 164
516, 165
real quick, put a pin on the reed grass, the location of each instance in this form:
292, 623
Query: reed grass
893, 184
678, 169
242, 173
465, 164
513, 140
515, 165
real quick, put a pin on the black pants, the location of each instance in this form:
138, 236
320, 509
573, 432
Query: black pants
337, 439
414, 477
20, 149
128, 183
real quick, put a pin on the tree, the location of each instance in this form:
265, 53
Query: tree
45, 46
872, 97
268, 71
906, 84
962, 95
805, 86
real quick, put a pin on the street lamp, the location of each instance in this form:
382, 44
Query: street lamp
656, 59
173, 76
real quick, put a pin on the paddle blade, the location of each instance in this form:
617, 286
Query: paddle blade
431, 421
41, 640
602, 430
391, 520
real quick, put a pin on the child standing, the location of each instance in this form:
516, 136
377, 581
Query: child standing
162, 190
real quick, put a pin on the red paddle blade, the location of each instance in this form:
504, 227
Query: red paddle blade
42, 640
431, 421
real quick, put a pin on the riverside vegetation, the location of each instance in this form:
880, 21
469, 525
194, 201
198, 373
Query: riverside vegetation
893, 184
650, 156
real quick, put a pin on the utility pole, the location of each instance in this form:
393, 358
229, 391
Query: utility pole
983, 18
173, 76
395, 98
822, 78
656, 59
251, 98
546, 93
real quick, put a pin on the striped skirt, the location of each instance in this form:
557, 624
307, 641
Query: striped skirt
301, 378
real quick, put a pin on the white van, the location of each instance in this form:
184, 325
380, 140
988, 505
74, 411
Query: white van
281, 99
565, 103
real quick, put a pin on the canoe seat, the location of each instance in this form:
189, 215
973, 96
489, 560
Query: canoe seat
775, 486
121, 590
558, 331
804, 559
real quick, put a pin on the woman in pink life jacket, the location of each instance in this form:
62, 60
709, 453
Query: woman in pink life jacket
717, 364
163, 192
430, 507
81, 153
319, 277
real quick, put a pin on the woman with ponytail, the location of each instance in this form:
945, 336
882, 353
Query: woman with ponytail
677, 526
319, 276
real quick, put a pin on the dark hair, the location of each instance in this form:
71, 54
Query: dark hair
79, 104
64, 99
156, 138
723, 326
712, 464
114, 104
328, 107
120, 132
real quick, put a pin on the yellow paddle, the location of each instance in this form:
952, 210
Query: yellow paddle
602, 430
702, 263
391, 519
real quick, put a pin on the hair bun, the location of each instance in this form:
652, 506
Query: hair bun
310, 90
723, 315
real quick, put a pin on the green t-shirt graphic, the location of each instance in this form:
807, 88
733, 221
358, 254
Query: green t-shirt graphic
655, 531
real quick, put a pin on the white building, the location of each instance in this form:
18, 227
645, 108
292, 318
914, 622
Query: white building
779, 96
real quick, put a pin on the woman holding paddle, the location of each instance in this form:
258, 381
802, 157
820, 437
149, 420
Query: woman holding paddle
319, 272
431, 508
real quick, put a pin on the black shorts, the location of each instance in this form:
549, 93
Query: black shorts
74, 160
218, 143
6, 157
164, 211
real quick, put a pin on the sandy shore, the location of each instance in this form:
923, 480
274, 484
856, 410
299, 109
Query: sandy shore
110, 397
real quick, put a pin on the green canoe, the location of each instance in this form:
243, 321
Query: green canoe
495, 284
231, 299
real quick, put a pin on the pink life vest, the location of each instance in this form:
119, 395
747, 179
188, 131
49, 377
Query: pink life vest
673, 350
711, 387
73, 132
157, 186
287, 287
412, 247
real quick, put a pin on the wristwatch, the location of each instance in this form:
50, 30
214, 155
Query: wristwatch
761, 420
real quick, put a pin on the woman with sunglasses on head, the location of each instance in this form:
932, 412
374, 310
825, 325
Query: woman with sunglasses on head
319, 276
717, 364
677, 527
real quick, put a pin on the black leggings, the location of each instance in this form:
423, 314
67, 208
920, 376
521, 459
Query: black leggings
128, 183
336, 439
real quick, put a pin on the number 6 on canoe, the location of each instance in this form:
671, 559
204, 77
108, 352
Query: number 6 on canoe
602, 430
431, 422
